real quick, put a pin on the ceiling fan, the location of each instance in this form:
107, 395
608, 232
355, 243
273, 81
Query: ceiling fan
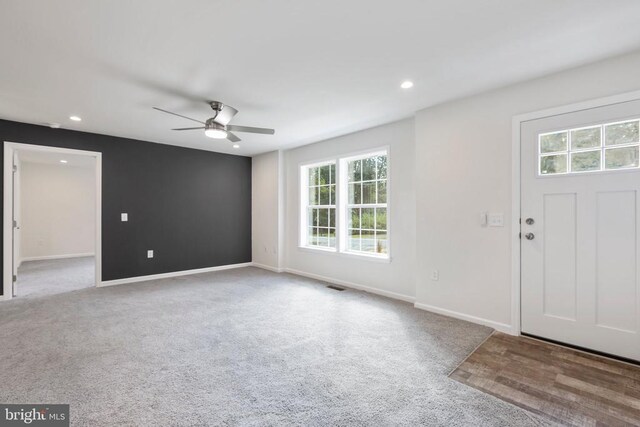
218, 126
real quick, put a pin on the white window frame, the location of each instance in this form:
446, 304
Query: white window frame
304, 205
341, 162
602, 148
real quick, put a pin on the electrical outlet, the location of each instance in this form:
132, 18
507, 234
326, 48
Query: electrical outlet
149, 254
124, 217
435, 275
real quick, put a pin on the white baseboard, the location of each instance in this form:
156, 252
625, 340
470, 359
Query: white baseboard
502, 327
268, 267
46, 257
351, 285
172, 274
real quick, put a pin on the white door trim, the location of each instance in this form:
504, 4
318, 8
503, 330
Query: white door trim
515, 185
9, 149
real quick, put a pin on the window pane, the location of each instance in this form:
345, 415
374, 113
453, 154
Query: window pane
333, 174
368, 241
369, 192
585, 161
618, 158
355, 171
313, 195
324, 175
354, 194
332, 195
323, 218
381, 242
323, 237
622, 133
324, 195
585, 138
354, 240
311, 237
367, 218
382, 192
313, 217
332, 237
332, 217
382, 167
369, 169
553, 142
313, 176
553, 164
354, 218
381, 218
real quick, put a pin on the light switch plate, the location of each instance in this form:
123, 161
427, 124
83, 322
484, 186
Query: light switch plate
124, 217
496, 220
149, 254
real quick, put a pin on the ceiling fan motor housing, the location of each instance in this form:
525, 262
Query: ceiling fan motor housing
212, 124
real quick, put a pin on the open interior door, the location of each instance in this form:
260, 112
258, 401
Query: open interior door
15, 262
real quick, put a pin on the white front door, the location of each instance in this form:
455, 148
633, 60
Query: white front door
580, 241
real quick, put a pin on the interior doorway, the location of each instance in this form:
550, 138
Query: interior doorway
52, 220
580, 246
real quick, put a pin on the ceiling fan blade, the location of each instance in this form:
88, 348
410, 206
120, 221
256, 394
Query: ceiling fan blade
176, 114
225, 115
202, 127
232, 137
250, 129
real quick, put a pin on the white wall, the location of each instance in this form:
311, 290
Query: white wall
448, 164
463, 167
265, 204
394, 278
57, 210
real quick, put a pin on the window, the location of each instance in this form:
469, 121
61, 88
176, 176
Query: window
367, 205
607, 146
320, 205
344, 205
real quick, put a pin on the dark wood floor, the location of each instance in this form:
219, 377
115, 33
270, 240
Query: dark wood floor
568, 386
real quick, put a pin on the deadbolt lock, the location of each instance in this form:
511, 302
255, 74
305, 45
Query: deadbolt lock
529, 221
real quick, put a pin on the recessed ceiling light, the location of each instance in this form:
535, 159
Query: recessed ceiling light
407, 84
54, 125
75, 118
63, 161
236, 146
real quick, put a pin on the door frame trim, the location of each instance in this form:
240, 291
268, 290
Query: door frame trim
7, 254
516, 183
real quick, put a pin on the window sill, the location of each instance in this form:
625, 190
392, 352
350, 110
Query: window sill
364, 257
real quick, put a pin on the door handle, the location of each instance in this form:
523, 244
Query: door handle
530, 236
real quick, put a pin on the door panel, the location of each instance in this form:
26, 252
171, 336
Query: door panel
559, 263
580, 275
616, 260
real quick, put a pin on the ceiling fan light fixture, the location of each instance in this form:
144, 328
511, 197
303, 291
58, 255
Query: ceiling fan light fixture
216, 133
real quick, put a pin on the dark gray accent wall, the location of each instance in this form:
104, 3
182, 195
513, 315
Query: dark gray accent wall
192, 207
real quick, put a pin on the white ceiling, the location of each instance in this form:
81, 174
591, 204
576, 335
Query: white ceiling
310, 69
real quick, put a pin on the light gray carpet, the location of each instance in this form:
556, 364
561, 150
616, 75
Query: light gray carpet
55, 276
241, 347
